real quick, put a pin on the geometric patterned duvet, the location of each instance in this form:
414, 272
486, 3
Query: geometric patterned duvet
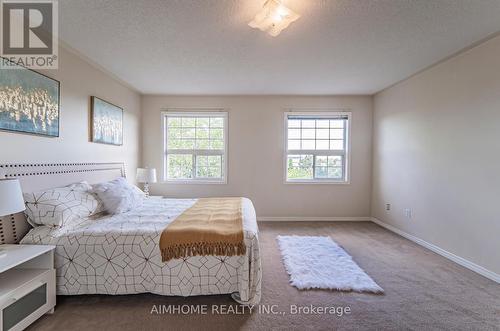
119, 254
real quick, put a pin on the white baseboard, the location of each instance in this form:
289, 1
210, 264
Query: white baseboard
312, 219
457, 259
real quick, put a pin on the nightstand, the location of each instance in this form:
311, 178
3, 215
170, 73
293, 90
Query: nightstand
27, 284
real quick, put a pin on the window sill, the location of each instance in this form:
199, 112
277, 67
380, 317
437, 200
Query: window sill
320, 182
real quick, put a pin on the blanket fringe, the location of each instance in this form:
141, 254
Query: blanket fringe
202, 248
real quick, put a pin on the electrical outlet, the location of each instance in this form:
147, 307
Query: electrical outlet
387, 206
408, 212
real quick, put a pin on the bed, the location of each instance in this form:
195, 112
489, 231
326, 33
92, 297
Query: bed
119, 254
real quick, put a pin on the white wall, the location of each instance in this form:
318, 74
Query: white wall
437, 151
256, 149
79, 80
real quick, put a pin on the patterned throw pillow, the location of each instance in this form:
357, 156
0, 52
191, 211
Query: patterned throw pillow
61, 206
118, 196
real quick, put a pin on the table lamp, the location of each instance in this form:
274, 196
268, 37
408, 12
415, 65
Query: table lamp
11, 198
146, 176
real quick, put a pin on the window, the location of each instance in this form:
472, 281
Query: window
195, 146
317, 147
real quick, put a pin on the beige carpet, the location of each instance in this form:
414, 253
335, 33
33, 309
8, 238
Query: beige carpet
422, 291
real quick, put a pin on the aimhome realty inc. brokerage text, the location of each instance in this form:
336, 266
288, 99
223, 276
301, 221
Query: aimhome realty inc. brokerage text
161, 309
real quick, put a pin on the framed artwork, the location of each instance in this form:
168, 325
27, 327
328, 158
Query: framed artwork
107, 122
29, 102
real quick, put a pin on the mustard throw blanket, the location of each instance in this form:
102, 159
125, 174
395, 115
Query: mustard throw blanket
212, 226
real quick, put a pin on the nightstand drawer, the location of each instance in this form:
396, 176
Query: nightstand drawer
27, 301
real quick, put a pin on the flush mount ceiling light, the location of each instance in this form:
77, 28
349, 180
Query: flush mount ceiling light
273, 18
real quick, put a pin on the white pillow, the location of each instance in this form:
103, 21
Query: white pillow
118, 196
60, 206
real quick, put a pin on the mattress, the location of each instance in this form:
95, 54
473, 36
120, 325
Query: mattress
119, 254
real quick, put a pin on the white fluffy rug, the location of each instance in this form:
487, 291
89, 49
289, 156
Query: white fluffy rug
318, 262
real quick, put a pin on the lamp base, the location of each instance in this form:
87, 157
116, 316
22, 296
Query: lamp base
146, 189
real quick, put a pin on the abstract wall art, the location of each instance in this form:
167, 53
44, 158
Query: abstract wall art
29, 102
106, 122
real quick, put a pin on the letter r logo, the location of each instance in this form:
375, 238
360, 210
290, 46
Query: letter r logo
27, 27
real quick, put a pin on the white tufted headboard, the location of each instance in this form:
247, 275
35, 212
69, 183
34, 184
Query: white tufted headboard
39, 176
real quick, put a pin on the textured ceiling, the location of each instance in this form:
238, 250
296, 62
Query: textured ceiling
336, 47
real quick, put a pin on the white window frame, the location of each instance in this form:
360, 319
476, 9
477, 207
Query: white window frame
346, 153
194, 113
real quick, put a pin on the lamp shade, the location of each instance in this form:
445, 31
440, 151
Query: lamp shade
273, 18
146, 175
11, 197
